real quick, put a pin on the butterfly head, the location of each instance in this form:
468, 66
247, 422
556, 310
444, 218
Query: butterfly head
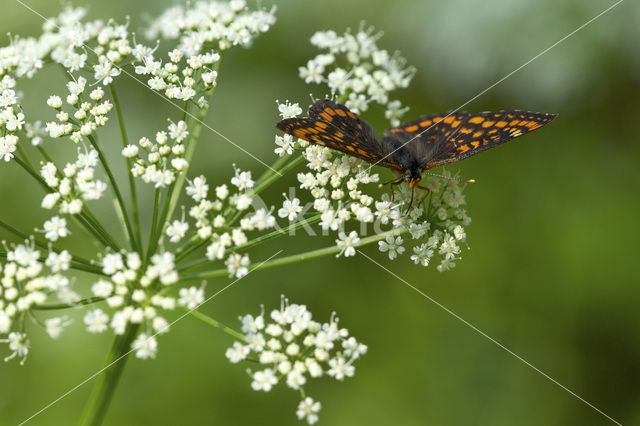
413, 177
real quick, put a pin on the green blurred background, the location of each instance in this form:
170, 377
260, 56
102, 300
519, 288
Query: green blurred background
552, 272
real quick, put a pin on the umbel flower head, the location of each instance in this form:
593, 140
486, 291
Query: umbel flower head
165, 252
293, 348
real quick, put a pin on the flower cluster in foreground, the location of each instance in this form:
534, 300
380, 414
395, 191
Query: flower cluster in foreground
132, 281
293, 348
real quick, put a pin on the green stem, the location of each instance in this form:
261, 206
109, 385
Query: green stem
294, 258
119, 201
132, 184
96, 407
273, 176
59, 306
207, 319
95, 229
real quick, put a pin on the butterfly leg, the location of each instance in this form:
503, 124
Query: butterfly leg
426, 193
391, 185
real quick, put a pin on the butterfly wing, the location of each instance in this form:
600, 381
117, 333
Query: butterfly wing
478, 132
334, 126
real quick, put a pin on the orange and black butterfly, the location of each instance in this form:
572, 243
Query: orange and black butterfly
416, 146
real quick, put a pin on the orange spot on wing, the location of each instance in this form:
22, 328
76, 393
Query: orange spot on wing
456, 123
330, 111
396, 130
466, 130
437, 119
352, 115
341, 113
514, 122
478, 134
425, 123
475, 144
321, 124
462, 149
326, 116
449, 119
501, 124
476, 120
488, 123
300, 133
411, 128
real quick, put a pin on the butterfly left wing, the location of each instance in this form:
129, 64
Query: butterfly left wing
478, 132
334, 126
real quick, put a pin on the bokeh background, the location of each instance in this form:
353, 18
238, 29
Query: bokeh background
553, 268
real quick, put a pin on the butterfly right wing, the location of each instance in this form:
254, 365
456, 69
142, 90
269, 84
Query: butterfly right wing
424, 136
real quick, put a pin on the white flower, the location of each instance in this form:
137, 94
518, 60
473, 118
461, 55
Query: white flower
346, 243
145, 346
459, 233
19, 344
198, 189
237, 265
96, 321
178, 131
308, 409
222, 191
242, 180
288, 110
130, 151
290, 208
191, 297
55, 228
58, 261
340, 368
237, 353
391, 245
8, 145
102, 288
422, 255
55, 326
264, 380
177, 230
54, 101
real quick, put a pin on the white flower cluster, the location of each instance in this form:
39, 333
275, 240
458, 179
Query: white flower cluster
26, 282
136, 295
11, 119
294, 348
75, 183
338, 182
435, 228
164, 157
197, 72
215, 224
211, 23
86, 116
358, 71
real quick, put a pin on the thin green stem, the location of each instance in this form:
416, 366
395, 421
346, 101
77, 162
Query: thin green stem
294, 258
207, 319
158, 227
88, 301
95, 228
132, 184
96, 407
121, 211
154, 221
269, 180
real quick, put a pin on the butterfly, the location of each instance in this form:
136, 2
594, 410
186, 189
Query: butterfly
416, 146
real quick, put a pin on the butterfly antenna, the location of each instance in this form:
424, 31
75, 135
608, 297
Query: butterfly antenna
450, 178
